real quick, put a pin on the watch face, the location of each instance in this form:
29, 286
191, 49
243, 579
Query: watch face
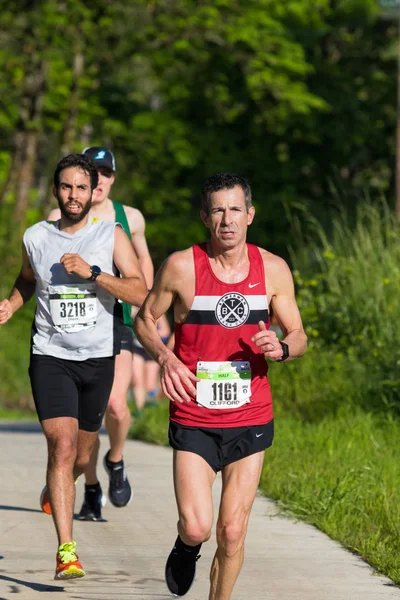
95, 270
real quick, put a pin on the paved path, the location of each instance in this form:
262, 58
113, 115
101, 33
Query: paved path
124, 557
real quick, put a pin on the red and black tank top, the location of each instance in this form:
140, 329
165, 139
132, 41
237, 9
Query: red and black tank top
219, 327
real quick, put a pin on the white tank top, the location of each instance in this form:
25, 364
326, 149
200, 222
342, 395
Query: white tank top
75, 319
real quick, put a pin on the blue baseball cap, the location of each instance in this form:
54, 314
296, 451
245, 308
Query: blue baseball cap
101, 157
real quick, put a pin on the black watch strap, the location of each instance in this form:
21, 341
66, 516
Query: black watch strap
95, 271
285, 349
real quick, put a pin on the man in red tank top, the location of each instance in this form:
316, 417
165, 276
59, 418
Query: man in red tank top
221, 415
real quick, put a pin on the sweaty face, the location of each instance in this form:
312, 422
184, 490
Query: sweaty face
74, 194
228, 219
106, 179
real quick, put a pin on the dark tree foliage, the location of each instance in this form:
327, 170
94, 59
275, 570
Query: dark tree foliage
297, 96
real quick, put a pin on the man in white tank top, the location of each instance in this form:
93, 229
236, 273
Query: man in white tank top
76, 334
117, 416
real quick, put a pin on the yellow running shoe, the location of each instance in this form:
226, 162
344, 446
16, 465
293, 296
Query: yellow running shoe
68, 564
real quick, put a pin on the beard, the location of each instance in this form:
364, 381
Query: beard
74, 217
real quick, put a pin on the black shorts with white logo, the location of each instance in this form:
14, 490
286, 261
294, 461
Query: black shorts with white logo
219, 446
72, 388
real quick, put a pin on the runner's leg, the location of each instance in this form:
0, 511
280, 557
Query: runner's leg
91, 471
94, 398
193, 479
138, 381
239, 487
152, 378
118, 416
62, 439
87, 440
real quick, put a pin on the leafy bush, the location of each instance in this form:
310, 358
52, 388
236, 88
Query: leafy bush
347, 290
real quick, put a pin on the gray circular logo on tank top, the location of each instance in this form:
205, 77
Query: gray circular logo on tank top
232, 310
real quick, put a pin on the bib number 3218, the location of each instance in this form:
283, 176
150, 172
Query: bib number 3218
73, 307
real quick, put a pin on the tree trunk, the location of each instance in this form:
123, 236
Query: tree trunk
69, 132
30, 128
25, 176
70, 125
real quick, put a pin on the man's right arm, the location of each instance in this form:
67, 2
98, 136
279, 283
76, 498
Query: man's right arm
137, 228
155, 305
176, 379
23, 290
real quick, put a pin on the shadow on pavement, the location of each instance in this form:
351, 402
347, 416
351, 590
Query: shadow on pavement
19, 508
38, 587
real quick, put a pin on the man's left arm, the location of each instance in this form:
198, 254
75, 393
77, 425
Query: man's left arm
131, 287
286, 312
137, 227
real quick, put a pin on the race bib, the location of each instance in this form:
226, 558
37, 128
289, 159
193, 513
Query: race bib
223, 384
73, 307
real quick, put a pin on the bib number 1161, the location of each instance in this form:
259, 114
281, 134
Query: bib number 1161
224, 391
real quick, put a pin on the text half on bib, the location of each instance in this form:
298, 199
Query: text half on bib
214, 342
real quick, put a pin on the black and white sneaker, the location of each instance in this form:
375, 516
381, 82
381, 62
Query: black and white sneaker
119, 490
180, 569
92, 504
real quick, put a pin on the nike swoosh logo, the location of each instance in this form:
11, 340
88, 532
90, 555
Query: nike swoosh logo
259, 434
251, 285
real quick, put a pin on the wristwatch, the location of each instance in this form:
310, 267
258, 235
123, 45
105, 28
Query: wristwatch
285, 349
95, 271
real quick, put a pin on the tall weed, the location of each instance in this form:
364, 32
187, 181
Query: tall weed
348, 290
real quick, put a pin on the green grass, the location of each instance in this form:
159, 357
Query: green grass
343, 475
152, 425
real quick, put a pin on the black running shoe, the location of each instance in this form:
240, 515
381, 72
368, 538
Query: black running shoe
119, 490
92, 504
180, 569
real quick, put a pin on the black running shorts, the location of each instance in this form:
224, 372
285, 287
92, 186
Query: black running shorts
127, 339
220, 447
140, 351
72, 388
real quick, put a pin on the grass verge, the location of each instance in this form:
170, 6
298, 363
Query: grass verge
152, 425
342, 475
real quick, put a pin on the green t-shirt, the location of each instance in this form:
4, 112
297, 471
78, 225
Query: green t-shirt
120, 217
